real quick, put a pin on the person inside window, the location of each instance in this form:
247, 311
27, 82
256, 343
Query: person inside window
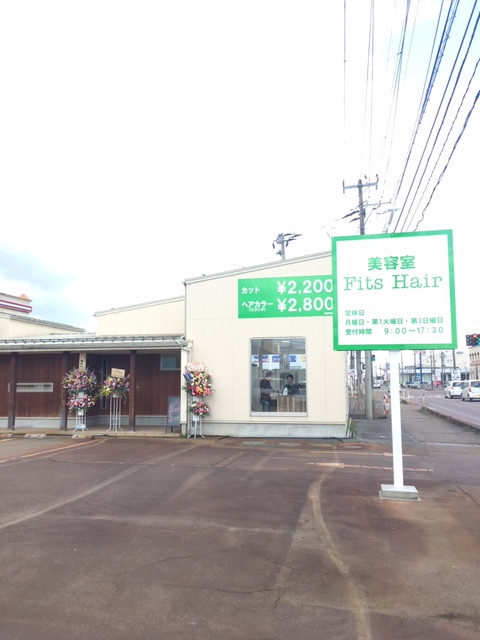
291, 388
268, 399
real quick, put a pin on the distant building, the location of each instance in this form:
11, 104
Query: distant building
435, 367
16, 319
474, 356
20, 305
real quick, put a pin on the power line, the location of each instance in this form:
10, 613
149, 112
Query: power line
446, 140
423, 159
450, 157
440, 127
433, 75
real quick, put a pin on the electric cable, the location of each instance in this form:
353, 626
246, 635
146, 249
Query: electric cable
453, 93
418, 179
440, 177
441, 48
419, 168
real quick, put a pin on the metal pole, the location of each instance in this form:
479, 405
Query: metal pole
368, 354
397, 491
396, 420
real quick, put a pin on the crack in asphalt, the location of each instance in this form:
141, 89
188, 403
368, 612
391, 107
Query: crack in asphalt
355, 593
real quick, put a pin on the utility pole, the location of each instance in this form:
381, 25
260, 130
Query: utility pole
368, 354
283, 239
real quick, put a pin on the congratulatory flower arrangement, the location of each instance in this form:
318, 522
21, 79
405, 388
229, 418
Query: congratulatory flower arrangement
80, 402
82, 387
198, 383
199, 408
116, 387
80, 380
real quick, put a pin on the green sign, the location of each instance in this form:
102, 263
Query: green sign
285, 297
394, 291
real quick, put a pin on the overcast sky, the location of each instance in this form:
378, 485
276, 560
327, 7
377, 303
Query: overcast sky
146, 142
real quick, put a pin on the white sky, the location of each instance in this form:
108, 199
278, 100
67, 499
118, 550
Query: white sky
146, 142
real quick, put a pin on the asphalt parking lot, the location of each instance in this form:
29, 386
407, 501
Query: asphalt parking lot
223, 539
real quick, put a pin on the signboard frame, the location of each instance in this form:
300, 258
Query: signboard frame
393, 272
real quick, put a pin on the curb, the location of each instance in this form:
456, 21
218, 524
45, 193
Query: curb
457, 421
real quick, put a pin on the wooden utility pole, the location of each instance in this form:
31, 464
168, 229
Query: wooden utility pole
368, 354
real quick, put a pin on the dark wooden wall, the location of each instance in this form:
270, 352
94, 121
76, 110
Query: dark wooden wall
153, 386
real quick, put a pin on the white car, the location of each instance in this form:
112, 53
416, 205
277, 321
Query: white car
453, 389
471, 390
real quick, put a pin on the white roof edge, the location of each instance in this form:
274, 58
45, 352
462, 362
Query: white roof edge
139, 305
91, 341
267, 265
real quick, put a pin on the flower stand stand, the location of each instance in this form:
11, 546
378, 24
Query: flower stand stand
81, 419
115, 415
194, 427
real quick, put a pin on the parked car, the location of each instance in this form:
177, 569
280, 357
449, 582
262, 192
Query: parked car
416, 384
377, 384
471, 390
453, 389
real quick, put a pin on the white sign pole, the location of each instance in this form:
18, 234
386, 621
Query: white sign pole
397, 491
396, 420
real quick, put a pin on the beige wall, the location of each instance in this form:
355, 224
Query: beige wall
18, 327
222, 342
164, 317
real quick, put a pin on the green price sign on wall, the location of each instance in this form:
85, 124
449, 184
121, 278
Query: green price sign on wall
285, 297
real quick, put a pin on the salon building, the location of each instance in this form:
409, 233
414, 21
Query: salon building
273, 318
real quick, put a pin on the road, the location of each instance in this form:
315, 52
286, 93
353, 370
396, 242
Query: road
235, 539
455, 408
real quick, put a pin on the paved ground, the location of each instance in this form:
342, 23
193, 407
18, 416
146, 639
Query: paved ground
223, 539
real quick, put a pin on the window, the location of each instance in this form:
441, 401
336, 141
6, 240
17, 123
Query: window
279, 374
34, 387
170, 362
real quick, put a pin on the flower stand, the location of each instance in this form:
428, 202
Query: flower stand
115, 415
198, 385
194, 427
81, 387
